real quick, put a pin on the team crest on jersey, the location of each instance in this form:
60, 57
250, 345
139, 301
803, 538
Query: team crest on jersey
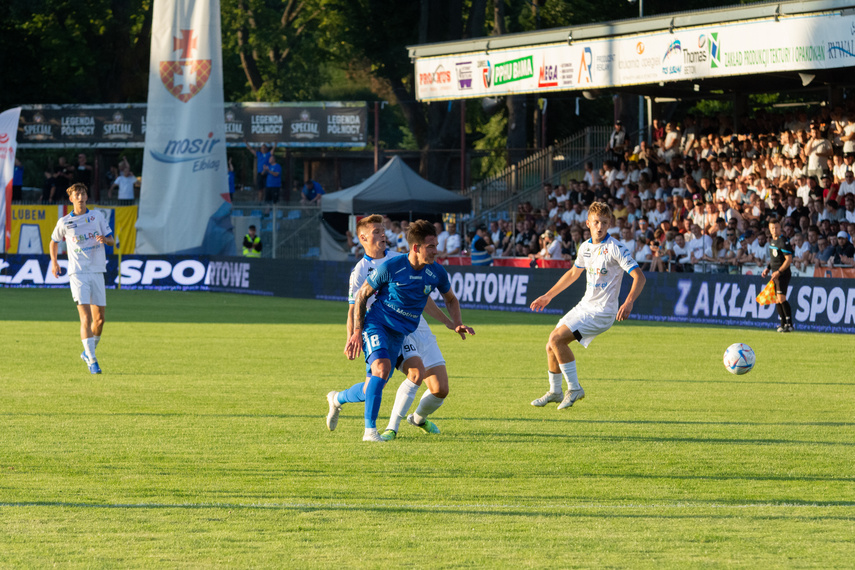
427, 289
774, 253
185, 77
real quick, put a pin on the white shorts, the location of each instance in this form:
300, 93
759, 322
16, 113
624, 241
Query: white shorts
88, 289
422, 343
588, 324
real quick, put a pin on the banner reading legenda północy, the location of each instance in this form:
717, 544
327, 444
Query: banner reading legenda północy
8, 134
184, 206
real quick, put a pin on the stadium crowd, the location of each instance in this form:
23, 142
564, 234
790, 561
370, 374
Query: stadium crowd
698, 198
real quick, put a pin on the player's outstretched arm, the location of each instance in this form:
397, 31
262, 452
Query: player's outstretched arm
566, 280
354, 343
638, 281
453, 306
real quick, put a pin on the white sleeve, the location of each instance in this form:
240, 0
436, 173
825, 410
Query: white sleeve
580, 261
58, 232
624, 258
357, 278
105, 226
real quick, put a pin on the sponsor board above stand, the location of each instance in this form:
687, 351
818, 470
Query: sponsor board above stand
787, 43
309, 124
821, 305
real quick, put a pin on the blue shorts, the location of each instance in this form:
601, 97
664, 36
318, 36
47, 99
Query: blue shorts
381, 342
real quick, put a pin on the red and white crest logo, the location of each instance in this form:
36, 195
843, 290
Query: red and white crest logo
185, 77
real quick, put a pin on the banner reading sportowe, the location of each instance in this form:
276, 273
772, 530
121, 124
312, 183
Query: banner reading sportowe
8, 134
184, 200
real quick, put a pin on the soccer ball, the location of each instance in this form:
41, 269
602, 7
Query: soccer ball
739, 358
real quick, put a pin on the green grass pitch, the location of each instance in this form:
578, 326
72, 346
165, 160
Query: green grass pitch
203, 445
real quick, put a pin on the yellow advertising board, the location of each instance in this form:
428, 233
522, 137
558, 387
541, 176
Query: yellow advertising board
32, 226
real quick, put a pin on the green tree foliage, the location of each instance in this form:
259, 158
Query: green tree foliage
276, 46
74, 51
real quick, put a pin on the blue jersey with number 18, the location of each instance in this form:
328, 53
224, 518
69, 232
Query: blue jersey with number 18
403, 292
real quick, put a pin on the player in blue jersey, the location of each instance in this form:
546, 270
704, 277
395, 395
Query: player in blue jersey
85, 233
421, 359
402, 286
604, 259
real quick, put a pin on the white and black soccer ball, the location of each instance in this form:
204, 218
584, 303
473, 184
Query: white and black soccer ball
739, 358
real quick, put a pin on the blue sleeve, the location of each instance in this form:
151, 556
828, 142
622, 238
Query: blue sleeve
379, 276
444, 283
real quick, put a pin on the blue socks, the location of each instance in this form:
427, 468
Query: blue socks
352, 395
373, 397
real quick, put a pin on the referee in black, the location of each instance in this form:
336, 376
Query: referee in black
780, 259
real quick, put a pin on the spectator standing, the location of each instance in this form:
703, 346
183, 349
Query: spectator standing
251, 244
262, 159
272, 180
441, 236
817, 150
18, 181
83, 171
617, 142
125, 183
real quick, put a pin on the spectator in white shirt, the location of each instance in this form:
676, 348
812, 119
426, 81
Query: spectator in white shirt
848, 184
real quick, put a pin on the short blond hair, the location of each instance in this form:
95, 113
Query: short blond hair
600, 209
367, 221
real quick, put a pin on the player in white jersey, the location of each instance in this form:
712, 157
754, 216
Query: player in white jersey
604, 259
85, 232
420, 359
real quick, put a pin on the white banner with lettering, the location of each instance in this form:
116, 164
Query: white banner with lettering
796, 43
184, 199
8, 144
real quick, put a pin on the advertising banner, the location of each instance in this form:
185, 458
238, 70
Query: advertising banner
167, 273
184, 200
790, 43
819, 305
32, 226
308, 124
8, 128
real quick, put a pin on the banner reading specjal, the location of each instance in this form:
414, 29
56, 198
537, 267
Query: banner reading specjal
184, 201
790, 43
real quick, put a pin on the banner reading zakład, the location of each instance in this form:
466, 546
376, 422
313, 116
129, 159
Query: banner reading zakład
790, 43
184, 205
8, 134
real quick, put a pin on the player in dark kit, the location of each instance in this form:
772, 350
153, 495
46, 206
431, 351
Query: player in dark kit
780, 258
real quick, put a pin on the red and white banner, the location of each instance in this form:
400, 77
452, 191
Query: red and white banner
184, 200
8, 144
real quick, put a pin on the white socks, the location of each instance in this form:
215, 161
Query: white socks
403, 400
427, 405
89, 348
569, 371
97, 340
555, 382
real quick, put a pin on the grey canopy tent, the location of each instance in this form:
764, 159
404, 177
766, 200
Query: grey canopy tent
395, 189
